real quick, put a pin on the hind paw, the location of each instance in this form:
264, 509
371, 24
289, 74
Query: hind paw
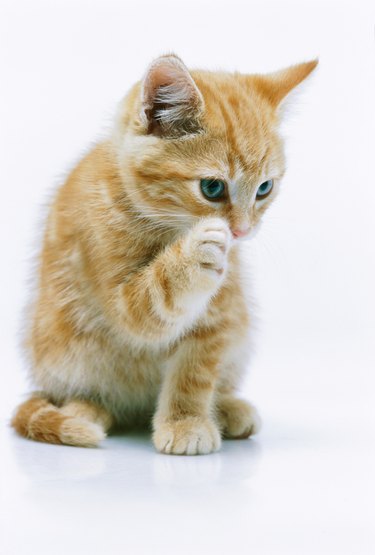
238, 419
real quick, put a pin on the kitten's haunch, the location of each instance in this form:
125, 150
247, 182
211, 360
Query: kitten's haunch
141, 311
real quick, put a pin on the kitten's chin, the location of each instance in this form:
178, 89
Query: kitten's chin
237, 240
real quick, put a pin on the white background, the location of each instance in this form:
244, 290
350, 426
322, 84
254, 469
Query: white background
306, 484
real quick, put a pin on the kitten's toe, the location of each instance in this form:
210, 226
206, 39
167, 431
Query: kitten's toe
188, 436
238, 419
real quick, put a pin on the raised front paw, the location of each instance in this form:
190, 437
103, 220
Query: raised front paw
188, 436
208, 245
238, 419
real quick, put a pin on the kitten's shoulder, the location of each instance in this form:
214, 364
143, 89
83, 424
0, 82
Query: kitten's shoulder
99, 162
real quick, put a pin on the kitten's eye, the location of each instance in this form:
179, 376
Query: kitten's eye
264, 189
213, 189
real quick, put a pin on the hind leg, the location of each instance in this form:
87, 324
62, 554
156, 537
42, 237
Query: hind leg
78, 422
237, 418
98, 419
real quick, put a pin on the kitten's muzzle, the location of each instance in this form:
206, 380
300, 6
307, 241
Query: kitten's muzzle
240, 232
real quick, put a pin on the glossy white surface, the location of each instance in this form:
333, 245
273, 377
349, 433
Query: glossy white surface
305, 485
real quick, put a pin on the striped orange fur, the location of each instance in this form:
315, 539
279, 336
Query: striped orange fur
141, 309
79, 423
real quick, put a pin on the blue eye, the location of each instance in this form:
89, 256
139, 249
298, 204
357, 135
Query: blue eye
213, 189
265, 189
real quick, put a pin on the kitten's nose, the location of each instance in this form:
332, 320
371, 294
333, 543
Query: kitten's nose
240, 232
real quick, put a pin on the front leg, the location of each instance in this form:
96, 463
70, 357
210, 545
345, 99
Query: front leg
184, 422
161, 302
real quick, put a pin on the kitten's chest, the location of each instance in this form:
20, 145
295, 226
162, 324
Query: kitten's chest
132, 382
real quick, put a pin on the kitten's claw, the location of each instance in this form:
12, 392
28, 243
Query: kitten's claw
188, 436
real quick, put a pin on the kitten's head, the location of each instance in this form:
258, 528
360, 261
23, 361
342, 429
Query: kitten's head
197, 144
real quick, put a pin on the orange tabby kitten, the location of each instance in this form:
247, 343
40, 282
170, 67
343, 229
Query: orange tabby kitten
140, 308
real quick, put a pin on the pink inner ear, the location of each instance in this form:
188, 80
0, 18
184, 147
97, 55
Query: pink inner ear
164, 75
166, 70
169, 95
159, 76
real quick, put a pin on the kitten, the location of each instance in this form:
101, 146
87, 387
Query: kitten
140, 309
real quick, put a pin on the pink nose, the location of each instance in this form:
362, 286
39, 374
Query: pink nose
240, 232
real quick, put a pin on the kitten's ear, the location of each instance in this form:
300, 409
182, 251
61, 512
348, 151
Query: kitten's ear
171, 102
276, 86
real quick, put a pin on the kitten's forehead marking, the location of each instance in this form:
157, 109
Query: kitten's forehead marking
233, 183
240, 191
